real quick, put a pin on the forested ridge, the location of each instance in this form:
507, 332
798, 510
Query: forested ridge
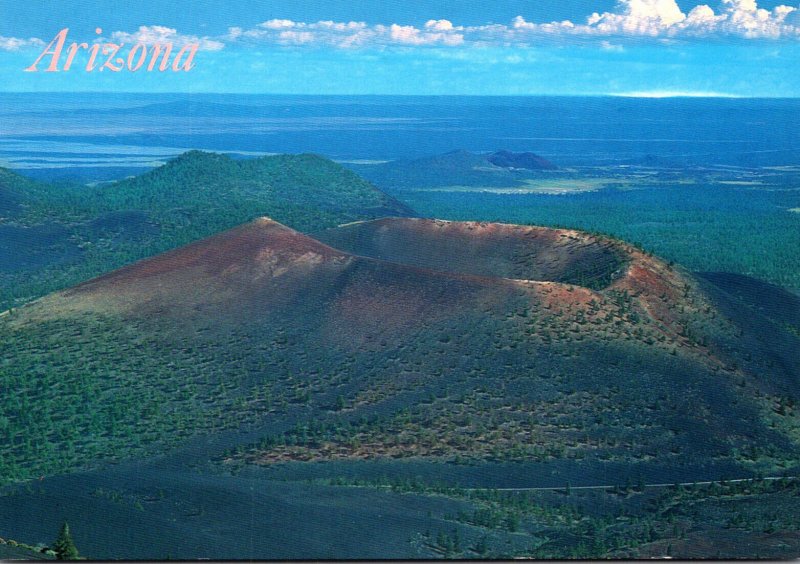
56, 236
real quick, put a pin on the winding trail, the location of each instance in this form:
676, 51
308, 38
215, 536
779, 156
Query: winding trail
663, 485
599, 487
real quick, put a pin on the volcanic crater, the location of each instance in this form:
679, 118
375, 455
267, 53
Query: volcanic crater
383, 278
534, 254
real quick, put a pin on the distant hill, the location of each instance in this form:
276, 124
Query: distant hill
528, 161
15, 191
456, 168
56, 236
412, 339
304, 190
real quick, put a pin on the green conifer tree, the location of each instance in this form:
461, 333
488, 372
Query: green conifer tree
64, 547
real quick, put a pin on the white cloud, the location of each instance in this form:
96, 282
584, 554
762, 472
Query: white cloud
278, 24
520, 26
406, 34
15, 43
340, 26
741, 5
296, 37
349, 34
662, 20
439, 25
637, 17
744, 17
702, 18
149, 35
665, 19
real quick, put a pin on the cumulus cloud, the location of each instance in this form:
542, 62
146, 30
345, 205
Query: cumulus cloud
662, 20
436, 33
637, 17
295, 37
15, 43
278, 24
439, 25
702, 18
152, 34
349, 34
744, 17
665, 19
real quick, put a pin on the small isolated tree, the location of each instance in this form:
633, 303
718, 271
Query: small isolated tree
64, 547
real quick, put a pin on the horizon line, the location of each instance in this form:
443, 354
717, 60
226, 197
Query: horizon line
653, 95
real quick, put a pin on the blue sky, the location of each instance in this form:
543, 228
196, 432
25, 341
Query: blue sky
512, 47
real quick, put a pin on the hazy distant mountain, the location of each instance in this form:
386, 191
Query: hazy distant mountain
499, 169
527, 161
